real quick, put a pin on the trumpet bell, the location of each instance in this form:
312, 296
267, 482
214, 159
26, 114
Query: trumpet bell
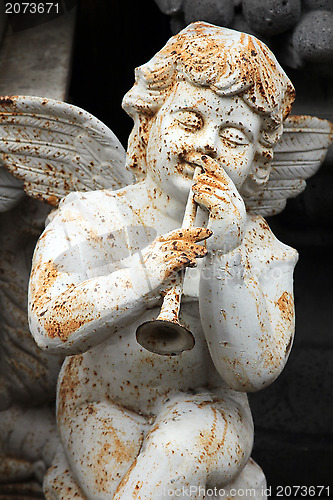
164, 337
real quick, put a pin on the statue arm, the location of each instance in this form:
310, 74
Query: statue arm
88, 280
77, 298
86, 313
247, 308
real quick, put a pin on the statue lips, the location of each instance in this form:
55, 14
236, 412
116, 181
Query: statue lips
192, 160
205, 161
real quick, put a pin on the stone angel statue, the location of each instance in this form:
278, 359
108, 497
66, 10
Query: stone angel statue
211, 130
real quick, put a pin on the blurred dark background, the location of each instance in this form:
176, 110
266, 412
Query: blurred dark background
112, 38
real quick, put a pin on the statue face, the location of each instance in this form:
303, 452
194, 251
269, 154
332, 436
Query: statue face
196, 119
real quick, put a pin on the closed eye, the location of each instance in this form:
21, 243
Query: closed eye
189, 120
234, 137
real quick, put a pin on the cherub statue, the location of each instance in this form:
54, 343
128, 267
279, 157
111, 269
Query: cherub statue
209, 111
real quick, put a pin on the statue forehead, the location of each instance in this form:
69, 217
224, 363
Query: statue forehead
185, 95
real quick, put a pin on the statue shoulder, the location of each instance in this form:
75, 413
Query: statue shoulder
262, 245
93, 207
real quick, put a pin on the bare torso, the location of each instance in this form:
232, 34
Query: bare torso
131, 376
119, 369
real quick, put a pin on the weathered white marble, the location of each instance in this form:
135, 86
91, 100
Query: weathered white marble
133, 423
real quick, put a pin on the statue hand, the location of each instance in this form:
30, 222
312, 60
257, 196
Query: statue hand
215, 191
172, 252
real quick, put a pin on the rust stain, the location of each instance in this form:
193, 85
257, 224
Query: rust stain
211, 445
40, 288
286, 305
116, 450
137, 489
53, 200
122, 485
288, 347
69, 389
123, 451
7, 100
68, 313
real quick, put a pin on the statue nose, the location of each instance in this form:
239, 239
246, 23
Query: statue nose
207, 144
207, 149
210, 150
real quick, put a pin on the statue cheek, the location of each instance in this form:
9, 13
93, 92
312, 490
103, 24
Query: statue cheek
179, 144
239, 159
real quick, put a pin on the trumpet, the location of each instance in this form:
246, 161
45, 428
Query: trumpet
165, 335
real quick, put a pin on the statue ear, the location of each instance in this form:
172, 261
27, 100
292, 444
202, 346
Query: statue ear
258, 176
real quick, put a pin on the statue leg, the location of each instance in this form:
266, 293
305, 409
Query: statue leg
249, 484
59, 483
101, 441
197, 441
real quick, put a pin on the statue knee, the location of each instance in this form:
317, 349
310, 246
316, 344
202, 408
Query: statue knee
214, 443
188, 437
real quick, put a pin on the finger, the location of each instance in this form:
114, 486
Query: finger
213, 186
182, 261
183, 246
178, 263
207, 180
210, 193
207, 163
193, 234
214, 169
211, 202
210, 166
219, 204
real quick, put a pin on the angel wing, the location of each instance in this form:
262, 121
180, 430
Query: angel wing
297, 156
54, 148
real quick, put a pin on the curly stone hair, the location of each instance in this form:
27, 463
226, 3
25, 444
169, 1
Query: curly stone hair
229, 63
